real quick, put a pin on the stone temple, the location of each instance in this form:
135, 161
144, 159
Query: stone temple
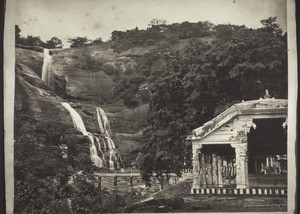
243, 150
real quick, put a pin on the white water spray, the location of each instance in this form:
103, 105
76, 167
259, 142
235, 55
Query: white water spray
46, 75
108, 153
102, 120
109, 146
79, 125
100, 148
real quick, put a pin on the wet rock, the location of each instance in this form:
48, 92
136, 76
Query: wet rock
75, 105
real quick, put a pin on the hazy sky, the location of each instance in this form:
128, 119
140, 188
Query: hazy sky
98, 18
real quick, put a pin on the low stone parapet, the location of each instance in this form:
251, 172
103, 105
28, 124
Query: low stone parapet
233, 191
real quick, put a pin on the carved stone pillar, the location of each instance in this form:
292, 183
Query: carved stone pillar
241, 159
201, 169
214, 170
203, 172
240, 143
196, 167
209, 180
226, 179
220, 168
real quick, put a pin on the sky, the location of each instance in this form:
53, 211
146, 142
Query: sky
98, 18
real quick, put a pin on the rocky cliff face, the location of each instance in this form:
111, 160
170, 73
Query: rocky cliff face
34, 98
89, 71
38, 102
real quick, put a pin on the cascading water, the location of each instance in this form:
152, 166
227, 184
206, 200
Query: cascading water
108, 144
102, 120
109, 156
102, 155
79, 125
46, 75
100, 149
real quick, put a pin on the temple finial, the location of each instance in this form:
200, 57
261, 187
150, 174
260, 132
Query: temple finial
267, 95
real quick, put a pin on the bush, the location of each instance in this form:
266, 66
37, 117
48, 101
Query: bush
109, 69
89, 63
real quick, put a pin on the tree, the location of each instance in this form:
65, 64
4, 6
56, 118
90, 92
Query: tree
271, 26
33, 41
97, 41
127, 88
115, 35
239, 64
157, 22
249, 61
17, 34
54, 42
78, 42
42, 171
179, 93
164, 151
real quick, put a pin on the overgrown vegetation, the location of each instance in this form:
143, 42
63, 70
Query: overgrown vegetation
46, 175
54, 42
239, 64
159, 31
183, 87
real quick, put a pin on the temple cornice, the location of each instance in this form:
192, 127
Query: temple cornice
254, 107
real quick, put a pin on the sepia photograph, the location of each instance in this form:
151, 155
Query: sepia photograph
155, 106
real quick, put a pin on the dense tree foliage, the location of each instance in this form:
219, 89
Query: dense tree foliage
54, 42
95, 42
157, 22
158, 31
88, 63
238, 64
78, 42
17, 34
183, 87
46, 175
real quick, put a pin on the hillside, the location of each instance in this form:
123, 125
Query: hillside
122, 75
92, 71
40, 101
154, 86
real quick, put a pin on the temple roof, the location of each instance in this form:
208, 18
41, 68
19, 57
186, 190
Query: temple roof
261, 106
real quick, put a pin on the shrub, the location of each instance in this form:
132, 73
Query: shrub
89, 63
109, 69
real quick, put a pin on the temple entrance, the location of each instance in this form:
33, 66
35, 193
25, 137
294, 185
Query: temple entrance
267, 150
217, 165
242, 149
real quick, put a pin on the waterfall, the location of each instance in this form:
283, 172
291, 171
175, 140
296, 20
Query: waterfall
79, 125
109, 156
46, 75
102, 120
100, 148
105, 155
76, 118
108, 144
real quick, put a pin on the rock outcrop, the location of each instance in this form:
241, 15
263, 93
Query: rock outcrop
38, 102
